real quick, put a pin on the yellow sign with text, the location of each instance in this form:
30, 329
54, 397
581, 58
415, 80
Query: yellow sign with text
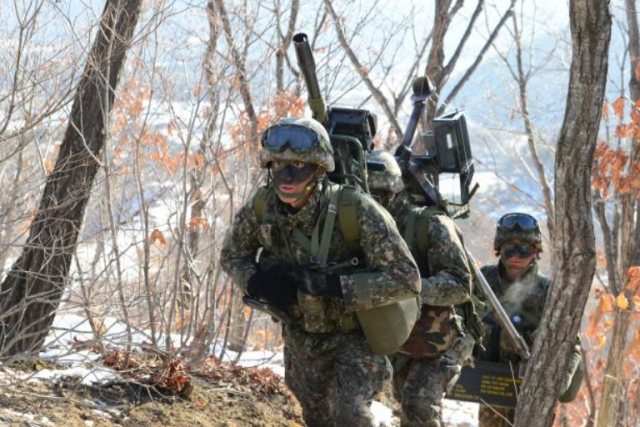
492, 383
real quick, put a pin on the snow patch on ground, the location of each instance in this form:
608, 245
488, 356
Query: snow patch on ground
82, 364
454, 413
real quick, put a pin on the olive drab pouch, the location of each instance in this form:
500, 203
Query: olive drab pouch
260, 201
387, 327
435, 332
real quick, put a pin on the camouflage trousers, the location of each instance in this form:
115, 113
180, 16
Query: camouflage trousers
334, 377
495, 416
420, 385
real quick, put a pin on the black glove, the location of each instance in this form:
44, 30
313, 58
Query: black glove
273, 285
316, 282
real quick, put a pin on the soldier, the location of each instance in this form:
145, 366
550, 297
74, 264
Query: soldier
430, 362
328, 364
522, 291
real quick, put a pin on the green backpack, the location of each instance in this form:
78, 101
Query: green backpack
438, 327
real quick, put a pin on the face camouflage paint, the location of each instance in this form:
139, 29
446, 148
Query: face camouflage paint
292, 174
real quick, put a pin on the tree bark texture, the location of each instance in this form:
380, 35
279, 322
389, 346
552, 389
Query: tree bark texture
32, 290
574, 241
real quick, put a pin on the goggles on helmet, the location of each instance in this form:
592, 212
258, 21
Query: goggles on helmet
373, 166
516, 249
297, 138
524, 221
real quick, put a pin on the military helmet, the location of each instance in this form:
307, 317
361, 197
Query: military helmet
517, 226
384, 172
297, 139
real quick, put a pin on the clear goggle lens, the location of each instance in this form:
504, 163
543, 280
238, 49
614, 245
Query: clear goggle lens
524, 221
297, 138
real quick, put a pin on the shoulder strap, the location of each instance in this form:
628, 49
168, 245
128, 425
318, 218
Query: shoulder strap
320, 247
348, 217
410, 228
420, 233
347, 210
260, 202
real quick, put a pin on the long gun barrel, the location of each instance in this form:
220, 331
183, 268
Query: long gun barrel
501, 316
308, 68
422, 89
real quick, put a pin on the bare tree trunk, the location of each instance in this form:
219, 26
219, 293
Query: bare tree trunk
590, 393
32, 290
438, 71
575, 241
634, 48
435, 63
613, 390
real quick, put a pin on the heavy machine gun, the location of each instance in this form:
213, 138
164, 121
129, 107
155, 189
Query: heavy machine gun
447, 151
351, 130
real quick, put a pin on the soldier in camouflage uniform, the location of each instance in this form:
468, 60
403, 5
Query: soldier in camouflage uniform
431, 360
522, 292
328, 364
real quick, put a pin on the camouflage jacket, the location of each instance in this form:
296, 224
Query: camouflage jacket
443, 265
445, 276
386, 273
523, 301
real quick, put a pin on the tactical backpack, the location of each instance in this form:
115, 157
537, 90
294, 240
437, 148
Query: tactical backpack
438, 327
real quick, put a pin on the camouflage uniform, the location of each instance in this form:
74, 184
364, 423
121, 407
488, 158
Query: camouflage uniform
527, 295
420, 383
328, 364
523, 300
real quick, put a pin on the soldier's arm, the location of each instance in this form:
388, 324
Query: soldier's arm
391, 273
450, 279
237, 257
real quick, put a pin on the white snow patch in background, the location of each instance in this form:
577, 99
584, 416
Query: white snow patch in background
88, 376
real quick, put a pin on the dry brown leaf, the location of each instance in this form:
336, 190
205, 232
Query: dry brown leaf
618, 106
156, 235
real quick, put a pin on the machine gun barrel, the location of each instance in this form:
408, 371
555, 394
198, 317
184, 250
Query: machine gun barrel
501, 316
422, 89
308, 68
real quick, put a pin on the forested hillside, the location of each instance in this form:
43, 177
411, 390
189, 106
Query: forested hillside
129, 138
